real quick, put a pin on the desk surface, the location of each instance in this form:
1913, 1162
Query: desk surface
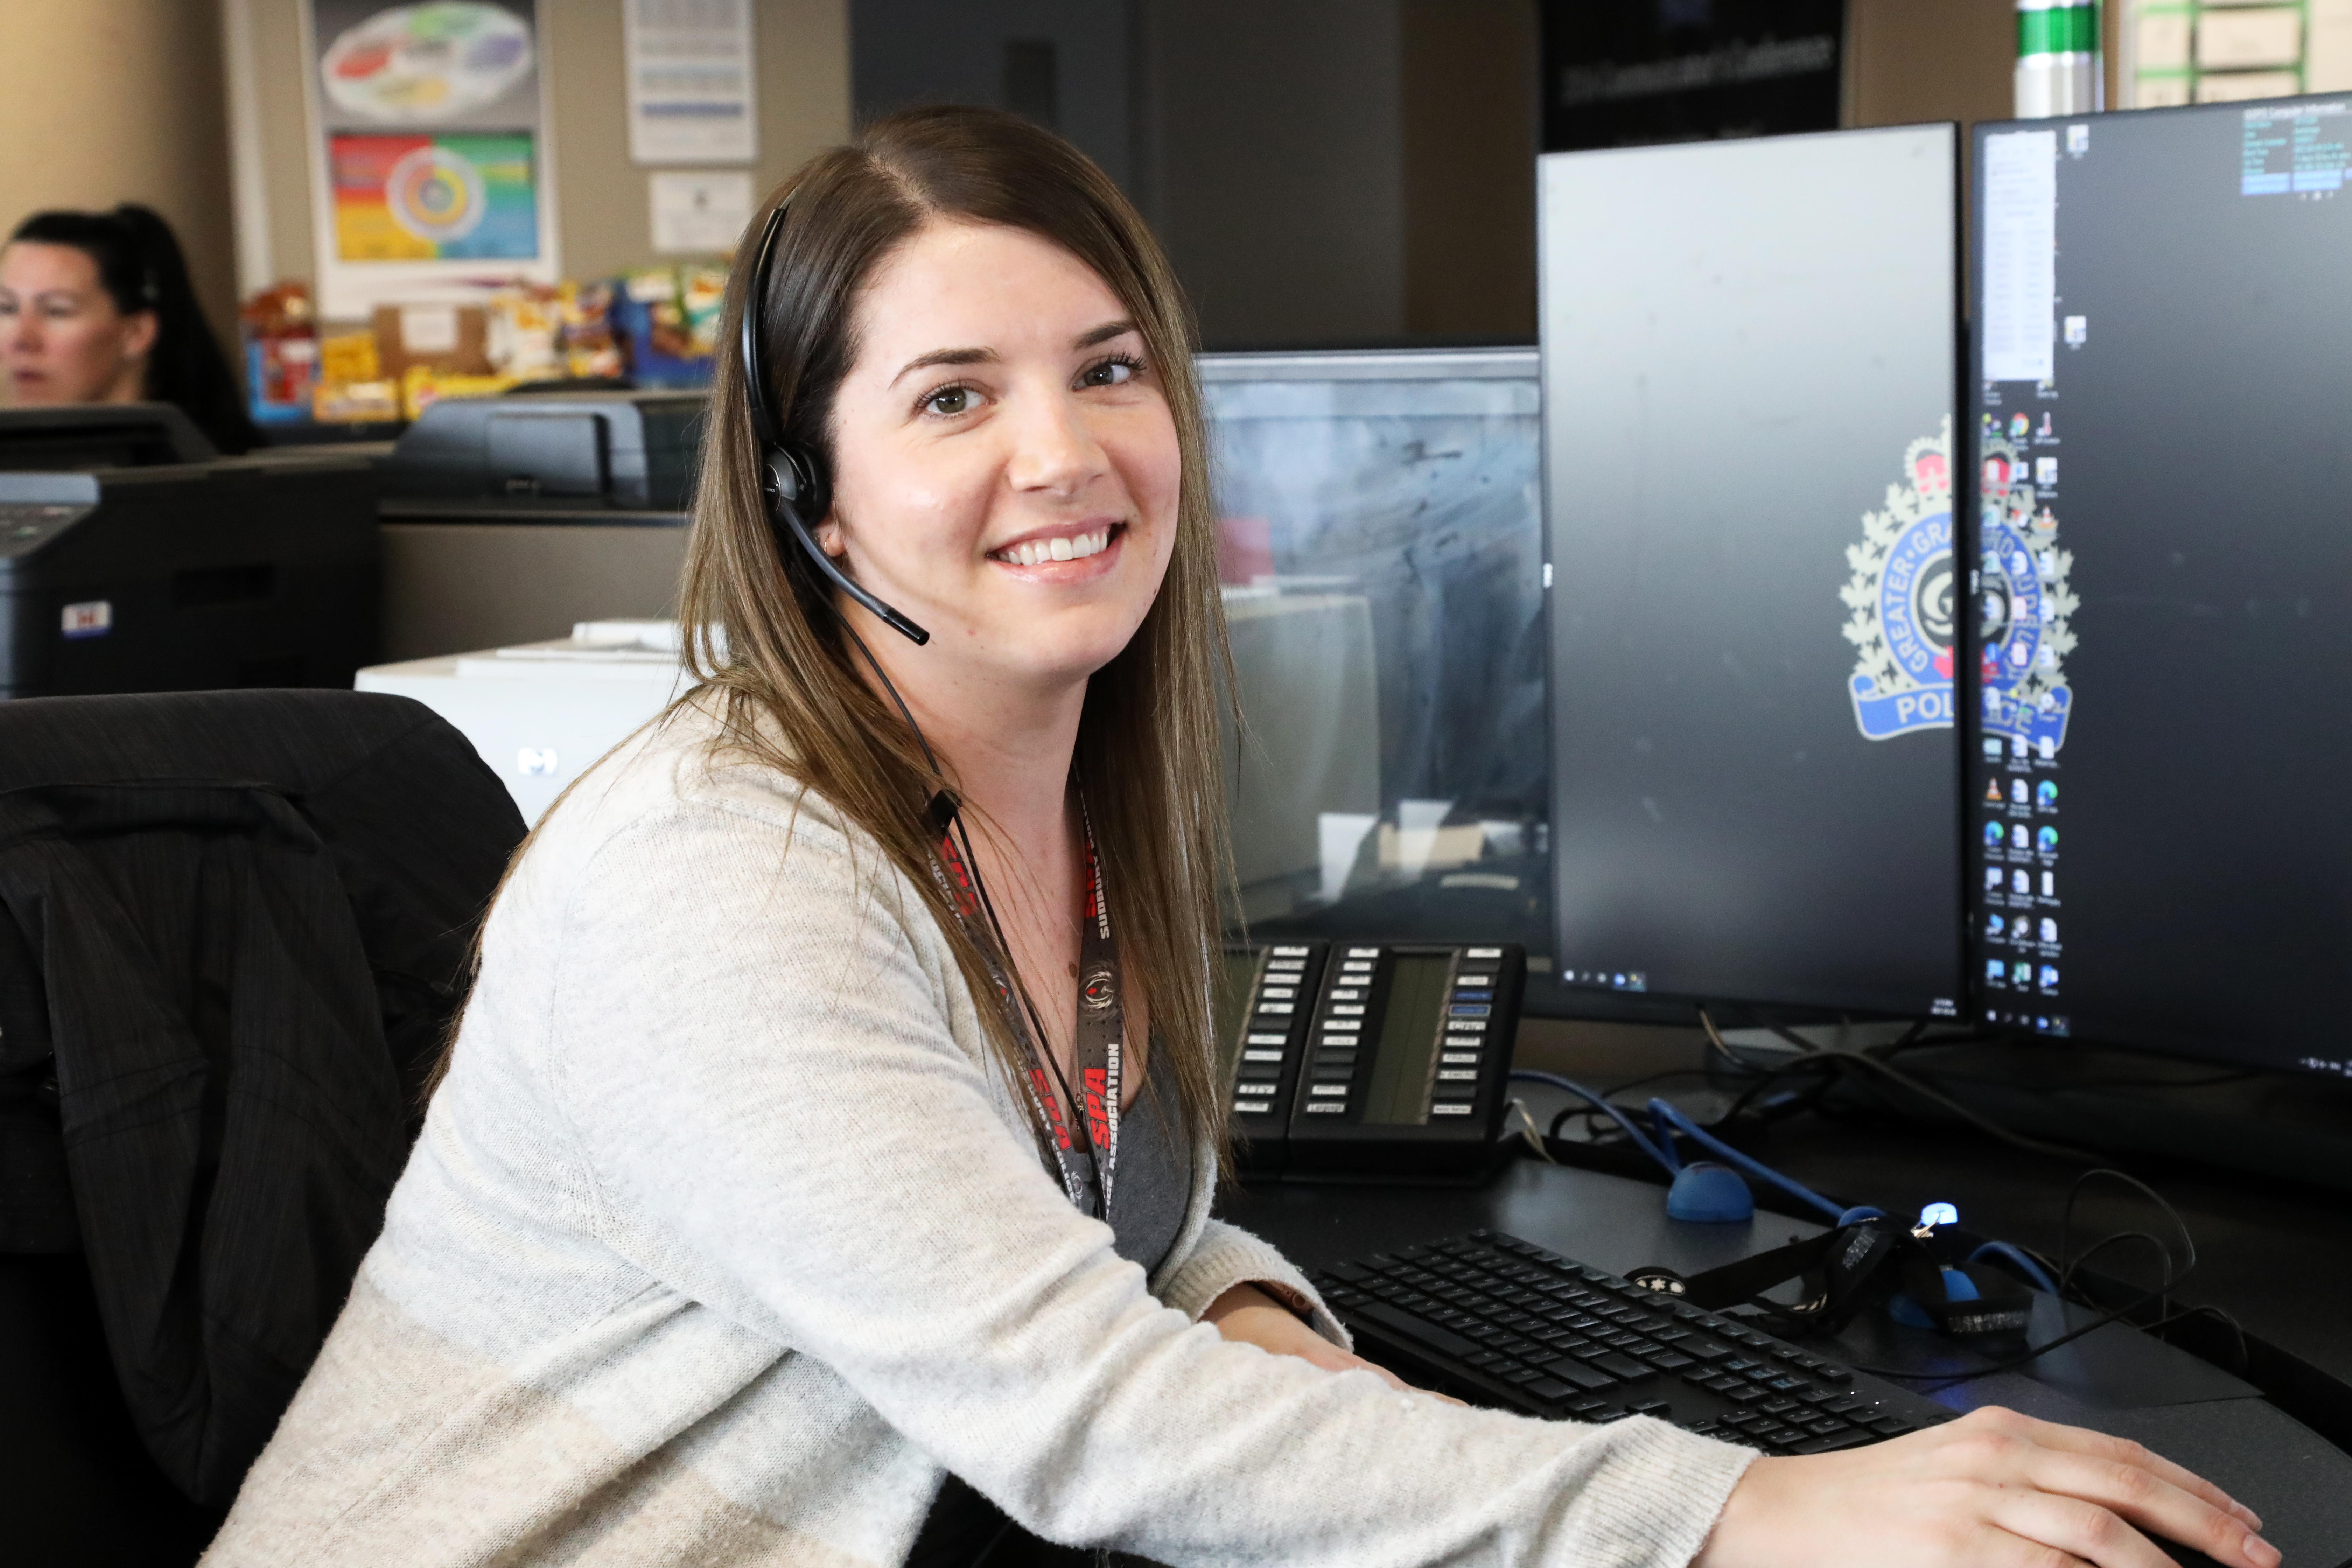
2115, 1380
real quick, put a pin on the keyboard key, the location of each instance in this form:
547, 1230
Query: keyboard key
1827, 1427
1890, 1426
1650, 1407
1830, 1443
1786, 1384
1818, 1395
1617, 1364
1738, 1363
1703, 1349
1667, 1361
1416, 1328
1586, 1377
1549, 1390
1743, 1393
1779, 1407
1846, 1403
1583, 1409
1829, 1374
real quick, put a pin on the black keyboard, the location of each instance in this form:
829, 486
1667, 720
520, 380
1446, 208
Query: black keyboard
1500, 1321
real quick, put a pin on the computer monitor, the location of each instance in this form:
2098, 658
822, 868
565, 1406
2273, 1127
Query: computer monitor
1749, 378
75, 437
2159, 749
1380, 553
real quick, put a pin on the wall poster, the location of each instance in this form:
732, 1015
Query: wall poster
430, 159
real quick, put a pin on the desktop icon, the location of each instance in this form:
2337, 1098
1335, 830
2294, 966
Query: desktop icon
2046, 841
2017, 791
2018, 746
2021, 975
1992, 790
2045, 471
1995, 972
2049, 744
2050, 979
1993, 924
1992, 878
2045, 795
1992, 748
2045, 431
2020, 883
2078, 141
2049, 884
2017, 427
2048, 930
2018, 837
1992, 835
2077, 332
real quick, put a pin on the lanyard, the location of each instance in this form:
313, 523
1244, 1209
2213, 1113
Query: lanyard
1084, 1148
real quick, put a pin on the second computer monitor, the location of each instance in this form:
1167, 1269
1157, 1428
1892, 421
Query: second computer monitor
1748, 375
2162, 848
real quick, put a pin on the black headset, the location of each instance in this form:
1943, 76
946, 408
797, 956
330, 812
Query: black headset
792, 481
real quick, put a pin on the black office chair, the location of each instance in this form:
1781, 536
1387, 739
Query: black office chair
233, 929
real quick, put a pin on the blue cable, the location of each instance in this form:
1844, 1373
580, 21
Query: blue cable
1670, 1120
1667, 1116
2033, 1272
1599, 1102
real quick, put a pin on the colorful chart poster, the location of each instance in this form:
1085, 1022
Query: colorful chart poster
431, 198
431, 162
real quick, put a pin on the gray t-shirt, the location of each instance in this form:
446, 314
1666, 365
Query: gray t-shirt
1153, 1180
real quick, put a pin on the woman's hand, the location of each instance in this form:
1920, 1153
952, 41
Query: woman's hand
1248, 1315
1993, 1489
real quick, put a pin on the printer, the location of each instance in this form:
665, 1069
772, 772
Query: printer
509, 520
541, 713
184, 575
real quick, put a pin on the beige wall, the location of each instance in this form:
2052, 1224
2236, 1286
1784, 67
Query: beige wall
600, 196
111, 100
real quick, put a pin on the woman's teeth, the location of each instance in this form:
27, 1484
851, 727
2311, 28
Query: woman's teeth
1037, 552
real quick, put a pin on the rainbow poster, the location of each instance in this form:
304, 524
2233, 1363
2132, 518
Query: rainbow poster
433, 197
431, 168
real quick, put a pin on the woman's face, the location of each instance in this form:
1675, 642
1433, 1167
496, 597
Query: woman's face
1005, 467
61, 338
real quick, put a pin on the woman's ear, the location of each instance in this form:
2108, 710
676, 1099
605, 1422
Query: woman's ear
139, 331
828, 537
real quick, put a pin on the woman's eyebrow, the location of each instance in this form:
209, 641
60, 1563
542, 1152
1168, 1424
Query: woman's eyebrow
1103, 334
944, 356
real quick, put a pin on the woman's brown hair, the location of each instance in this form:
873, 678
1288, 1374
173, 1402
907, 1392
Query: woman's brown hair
764, 635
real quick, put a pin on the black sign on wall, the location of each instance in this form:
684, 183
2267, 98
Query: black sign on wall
1624, 73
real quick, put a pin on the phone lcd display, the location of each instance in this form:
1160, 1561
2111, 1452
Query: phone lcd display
1405, 1060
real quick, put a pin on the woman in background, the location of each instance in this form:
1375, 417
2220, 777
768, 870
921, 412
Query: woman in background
97, 307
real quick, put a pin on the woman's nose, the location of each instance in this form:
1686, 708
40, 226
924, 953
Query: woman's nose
1055, 451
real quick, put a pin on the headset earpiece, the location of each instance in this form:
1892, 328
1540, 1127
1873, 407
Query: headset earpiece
791, 481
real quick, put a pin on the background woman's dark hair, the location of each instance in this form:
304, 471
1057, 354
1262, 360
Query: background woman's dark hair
141, 268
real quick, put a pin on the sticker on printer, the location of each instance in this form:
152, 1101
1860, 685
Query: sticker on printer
1903, 600
90, 619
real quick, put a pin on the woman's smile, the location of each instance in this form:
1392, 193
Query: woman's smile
1067, 552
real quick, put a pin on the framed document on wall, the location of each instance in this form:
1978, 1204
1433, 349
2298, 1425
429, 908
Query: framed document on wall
430, 163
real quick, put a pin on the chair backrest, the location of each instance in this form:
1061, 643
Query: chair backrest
234, 927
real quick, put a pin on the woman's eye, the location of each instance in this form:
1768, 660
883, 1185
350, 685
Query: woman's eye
1110, 373
948, 401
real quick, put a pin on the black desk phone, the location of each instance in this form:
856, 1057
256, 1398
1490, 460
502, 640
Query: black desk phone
1368, 1058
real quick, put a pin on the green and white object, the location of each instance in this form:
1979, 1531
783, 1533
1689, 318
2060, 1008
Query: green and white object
2058, 66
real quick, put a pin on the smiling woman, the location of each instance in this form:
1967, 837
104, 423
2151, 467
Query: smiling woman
822, 1171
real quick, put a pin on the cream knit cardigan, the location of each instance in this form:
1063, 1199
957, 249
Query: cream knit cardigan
724, 1238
